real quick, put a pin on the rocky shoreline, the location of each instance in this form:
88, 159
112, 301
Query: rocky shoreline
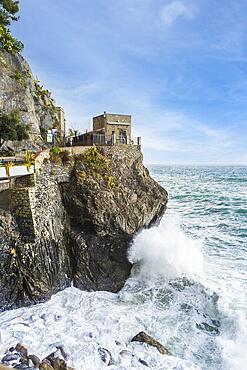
66, 224
18, 358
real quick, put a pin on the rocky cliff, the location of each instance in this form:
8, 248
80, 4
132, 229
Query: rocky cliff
73, 221
20, 90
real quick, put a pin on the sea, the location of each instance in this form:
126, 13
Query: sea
187, 288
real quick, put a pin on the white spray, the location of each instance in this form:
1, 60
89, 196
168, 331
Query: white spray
166, 250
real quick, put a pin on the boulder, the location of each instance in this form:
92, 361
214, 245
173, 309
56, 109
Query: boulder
143, 337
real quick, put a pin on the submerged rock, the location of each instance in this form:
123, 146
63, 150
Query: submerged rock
106, 356
209, 329
142, 337
143, 362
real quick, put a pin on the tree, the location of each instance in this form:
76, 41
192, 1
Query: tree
8, 11
72, 132
11, 127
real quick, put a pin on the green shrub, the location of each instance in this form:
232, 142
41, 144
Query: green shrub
55, 154
94, 161
45, 96
55, 150
96, 165
8, 11
8, 42
21, 77
12, 128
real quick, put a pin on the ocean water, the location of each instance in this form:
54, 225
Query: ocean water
187, 288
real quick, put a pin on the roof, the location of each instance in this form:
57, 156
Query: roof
112, 114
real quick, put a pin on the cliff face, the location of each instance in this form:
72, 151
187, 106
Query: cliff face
80, 226
19, 90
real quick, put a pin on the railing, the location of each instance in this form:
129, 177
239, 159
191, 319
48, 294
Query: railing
91, 138
101, 139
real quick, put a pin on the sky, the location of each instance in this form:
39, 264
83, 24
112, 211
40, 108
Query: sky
179, 67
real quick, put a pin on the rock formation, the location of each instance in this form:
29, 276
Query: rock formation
19, 90
143, 337
72, 222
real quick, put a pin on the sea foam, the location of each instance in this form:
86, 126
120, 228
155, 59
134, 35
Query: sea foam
166, 250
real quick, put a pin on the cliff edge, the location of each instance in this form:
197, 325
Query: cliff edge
73, 220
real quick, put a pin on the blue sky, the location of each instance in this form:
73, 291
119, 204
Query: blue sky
178, 66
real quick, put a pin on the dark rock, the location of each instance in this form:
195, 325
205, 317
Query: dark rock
35, 360
76, 230
10, 357
106, 356
216, 323
209, 329
143, 362
145, 338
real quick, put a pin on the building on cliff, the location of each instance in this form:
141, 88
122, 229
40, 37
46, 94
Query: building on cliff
108, 129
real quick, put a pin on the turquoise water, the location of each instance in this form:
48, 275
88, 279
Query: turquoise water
211, 203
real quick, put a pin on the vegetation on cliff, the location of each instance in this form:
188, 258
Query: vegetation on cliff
19, 89
11, 127
96, 164
8, 11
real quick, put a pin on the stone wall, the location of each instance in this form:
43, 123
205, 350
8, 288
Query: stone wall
22, 202
30, 194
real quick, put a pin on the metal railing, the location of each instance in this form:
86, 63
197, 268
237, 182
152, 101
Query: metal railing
102, 139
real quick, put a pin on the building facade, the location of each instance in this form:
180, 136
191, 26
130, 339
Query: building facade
108, 129
115, 127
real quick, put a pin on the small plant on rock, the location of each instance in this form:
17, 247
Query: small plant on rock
55, 150
7, 166
55, 154
110, 182
28, 159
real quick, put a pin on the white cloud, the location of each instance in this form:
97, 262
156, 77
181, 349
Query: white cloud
174, 10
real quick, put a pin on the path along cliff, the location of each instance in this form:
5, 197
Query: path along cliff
73, 221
